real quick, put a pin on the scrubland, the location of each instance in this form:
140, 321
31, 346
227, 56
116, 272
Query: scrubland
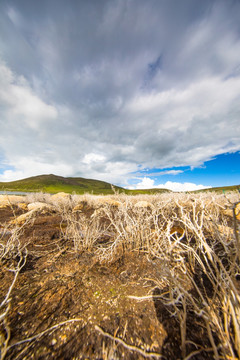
120, 277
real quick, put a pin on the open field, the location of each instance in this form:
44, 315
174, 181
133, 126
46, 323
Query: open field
120, 277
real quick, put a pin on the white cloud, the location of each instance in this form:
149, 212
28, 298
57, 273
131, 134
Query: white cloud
145, 183
148, 183
93, 158
28, 167
118, 94
22, 107
186, 186
188, 126
14, 16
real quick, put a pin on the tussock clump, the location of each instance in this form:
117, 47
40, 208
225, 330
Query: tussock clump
37, 197
195, 240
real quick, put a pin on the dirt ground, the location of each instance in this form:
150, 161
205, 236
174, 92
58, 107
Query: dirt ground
66, 305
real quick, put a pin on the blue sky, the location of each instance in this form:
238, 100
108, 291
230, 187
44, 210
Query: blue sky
137, 93
222, 170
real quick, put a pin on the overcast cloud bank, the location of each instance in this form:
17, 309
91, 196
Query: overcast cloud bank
107, 89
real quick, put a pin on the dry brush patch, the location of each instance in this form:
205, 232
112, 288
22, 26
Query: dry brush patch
196, 239
190, 246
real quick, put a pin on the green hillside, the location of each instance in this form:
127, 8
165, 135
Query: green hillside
221, 189
54, 184
146, 191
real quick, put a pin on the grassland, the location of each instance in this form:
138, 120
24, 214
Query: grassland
53, 184
120, 277
221, 189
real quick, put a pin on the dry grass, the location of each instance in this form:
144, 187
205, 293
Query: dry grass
195, 236
11, 250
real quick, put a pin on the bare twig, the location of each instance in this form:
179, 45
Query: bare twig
127, 346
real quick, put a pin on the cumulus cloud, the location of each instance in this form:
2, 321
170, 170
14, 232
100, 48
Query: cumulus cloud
148, 183
145, 183
19, 102
99, 89
28, 167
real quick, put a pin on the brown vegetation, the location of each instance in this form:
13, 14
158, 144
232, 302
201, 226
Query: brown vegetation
120, 277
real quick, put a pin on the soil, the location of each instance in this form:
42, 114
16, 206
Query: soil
92, 304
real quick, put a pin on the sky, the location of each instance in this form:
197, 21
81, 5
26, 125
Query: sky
138, 93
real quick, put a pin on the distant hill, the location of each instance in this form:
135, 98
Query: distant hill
53, 184
221, 189
146, 191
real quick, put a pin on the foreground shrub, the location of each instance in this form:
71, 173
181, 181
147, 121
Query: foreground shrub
196, 239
